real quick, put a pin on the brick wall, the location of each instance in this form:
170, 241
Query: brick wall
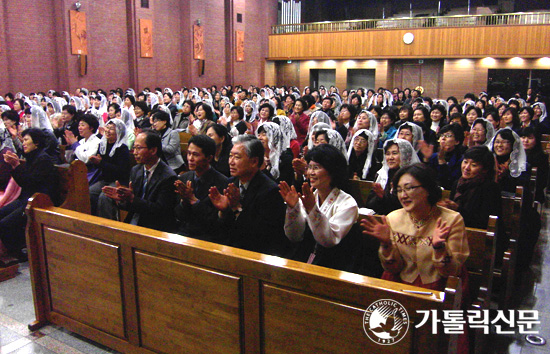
35, 44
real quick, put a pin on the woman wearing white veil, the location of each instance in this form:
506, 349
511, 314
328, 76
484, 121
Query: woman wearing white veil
335, 139
126, 117
152, 100
289, 134
511, 160
277, 159
412, 133
316, 117
314, 129
250, 111
113, 162
367, 120
359, 155
481, 133
398, 153
40, 120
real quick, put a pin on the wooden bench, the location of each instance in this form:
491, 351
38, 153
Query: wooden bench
360, 190
75, 195
506, 257
143, 291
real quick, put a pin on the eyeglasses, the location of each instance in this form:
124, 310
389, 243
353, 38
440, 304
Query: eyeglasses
502, 142
447, 136
406, 189
140, 147
314, 168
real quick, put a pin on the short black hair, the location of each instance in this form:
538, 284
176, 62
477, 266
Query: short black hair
333, 161
70, 109
91, 120
143, 106
162, 115
205, 143
131, 98
37, 136
454, 128
239, 111
425, 175
116, 107
11, 115
153, 140
207, 110
270, 107
481, 154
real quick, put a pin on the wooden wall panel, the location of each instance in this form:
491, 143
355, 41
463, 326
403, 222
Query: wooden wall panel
428, 43
288, 329
189, 307
85, 284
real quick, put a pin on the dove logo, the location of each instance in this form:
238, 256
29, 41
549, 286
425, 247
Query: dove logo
386, 322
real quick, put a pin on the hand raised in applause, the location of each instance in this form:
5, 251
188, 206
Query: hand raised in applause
11, 158
69, 137
307, 197
289, 194
441, 232
185, 191
378, 190
379, 229
95, 159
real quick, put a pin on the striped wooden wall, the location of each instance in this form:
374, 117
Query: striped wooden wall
464, 42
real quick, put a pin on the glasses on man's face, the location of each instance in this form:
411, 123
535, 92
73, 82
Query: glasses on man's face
139, 148
447, 136
407, 189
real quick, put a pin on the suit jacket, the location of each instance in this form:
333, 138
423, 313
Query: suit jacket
260, 225
156, 208
200, 220
171, 148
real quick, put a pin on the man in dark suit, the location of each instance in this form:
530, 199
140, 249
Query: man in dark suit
196, 215
251, 208
150, 198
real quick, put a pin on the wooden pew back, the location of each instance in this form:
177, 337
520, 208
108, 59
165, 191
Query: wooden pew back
73, 186
360, 190
140, 290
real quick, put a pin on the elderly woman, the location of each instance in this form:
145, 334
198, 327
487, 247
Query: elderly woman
321, 216
277, 159
481, 133
170, 140
448, 159
398, 153
421, 244
112, 160
360, 155
412, 133
37, 175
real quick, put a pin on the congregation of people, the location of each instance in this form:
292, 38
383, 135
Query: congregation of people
267, 169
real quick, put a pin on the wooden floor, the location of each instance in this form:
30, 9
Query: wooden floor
16, 311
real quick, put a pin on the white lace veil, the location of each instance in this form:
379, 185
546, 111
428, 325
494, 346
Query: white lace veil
254, 106
416, 132
543, 109
274, 137
121, 137
287, 130
335, 139
407, 156
126, 118
370, 149
153, 98
489, 130
39, 119
373, 127
518, 157
317, 127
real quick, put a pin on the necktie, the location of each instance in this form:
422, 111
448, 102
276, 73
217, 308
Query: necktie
242, 190
145, 181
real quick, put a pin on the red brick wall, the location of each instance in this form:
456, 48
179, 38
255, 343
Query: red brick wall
35, 44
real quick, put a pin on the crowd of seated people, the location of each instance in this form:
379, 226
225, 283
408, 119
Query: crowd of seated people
267, 169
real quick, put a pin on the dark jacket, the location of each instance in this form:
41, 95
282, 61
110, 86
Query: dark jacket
117, 167
37, 175
156, 207
448, 173
478, 203
260, 225
200, 220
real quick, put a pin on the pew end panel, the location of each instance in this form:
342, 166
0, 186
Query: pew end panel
143, 291
360, 190
73, 186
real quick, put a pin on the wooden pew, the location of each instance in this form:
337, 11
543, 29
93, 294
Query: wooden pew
360, 190
507, 257
143, 291
75, 195
73, 187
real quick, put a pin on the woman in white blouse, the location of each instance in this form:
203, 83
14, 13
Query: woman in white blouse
323, 215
